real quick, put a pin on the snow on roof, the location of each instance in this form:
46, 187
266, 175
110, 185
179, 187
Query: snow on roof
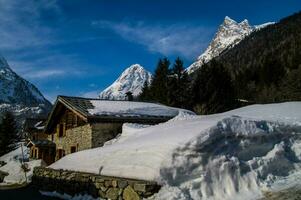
217, 156
132, 109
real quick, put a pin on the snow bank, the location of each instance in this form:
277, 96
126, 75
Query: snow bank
13, 167
131, 109
233, 155
68, 197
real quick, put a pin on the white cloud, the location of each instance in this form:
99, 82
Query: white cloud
182, 39
54, 66
45, 73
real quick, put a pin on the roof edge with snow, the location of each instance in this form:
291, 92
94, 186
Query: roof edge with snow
83, 107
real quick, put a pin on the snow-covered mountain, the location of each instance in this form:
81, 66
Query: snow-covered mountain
131, 80
18, 95
229, 34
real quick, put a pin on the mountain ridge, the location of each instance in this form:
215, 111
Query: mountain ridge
228, 35
19, 96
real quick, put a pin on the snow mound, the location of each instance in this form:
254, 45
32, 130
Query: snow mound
68, 197
233, 155
13, 166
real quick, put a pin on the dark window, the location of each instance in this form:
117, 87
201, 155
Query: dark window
61, 153
73, 149
61, 130
36, 153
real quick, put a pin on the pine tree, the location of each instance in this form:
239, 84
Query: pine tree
144, 95
9, 136
213, 89
178, 86
129, 96
158, 90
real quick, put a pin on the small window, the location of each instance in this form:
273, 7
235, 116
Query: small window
73, 149
61, 153
61, 130
35, 153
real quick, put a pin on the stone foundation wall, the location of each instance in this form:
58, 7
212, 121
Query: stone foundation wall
73, 183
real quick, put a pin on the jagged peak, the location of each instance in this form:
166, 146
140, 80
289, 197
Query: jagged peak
134, 67
3, 62
244, 22
228, 20
229, 34
131, 79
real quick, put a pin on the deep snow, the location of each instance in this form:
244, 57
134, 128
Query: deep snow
233, 155
13, 167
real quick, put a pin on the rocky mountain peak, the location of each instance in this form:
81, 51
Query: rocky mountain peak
131, 80
229, 34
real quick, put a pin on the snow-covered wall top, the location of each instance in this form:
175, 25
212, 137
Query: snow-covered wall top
232, 155
229, 34
131, 80
132, 109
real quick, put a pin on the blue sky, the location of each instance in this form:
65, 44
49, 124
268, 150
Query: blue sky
79, 47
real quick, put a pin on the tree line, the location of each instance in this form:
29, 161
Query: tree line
265, 67
9, 136
210, 91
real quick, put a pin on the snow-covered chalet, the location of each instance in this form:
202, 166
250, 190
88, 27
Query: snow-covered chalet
77, 123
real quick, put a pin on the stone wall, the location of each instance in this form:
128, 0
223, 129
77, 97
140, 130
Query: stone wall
102, 132
73, 183
80, 137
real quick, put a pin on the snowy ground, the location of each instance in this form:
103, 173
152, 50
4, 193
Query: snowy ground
240, 154
13, 167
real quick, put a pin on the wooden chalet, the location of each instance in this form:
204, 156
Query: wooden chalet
76, 123
37, 140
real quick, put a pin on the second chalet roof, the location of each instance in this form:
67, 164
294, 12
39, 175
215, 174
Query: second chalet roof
95, 108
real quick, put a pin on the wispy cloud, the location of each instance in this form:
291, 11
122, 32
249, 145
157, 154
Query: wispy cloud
182, 39
20, 25
91, 94
56, 65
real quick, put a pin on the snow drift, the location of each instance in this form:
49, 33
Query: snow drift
234, 155
13, 166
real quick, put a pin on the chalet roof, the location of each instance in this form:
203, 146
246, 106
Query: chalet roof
41, 143
98, 110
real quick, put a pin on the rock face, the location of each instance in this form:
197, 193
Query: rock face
229, 34
131, 80
19, 96
16, 90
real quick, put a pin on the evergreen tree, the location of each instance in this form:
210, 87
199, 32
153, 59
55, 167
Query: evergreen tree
158, 90
290, 89
213, 90
178, 87
9, 136
129, 96
144, 95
